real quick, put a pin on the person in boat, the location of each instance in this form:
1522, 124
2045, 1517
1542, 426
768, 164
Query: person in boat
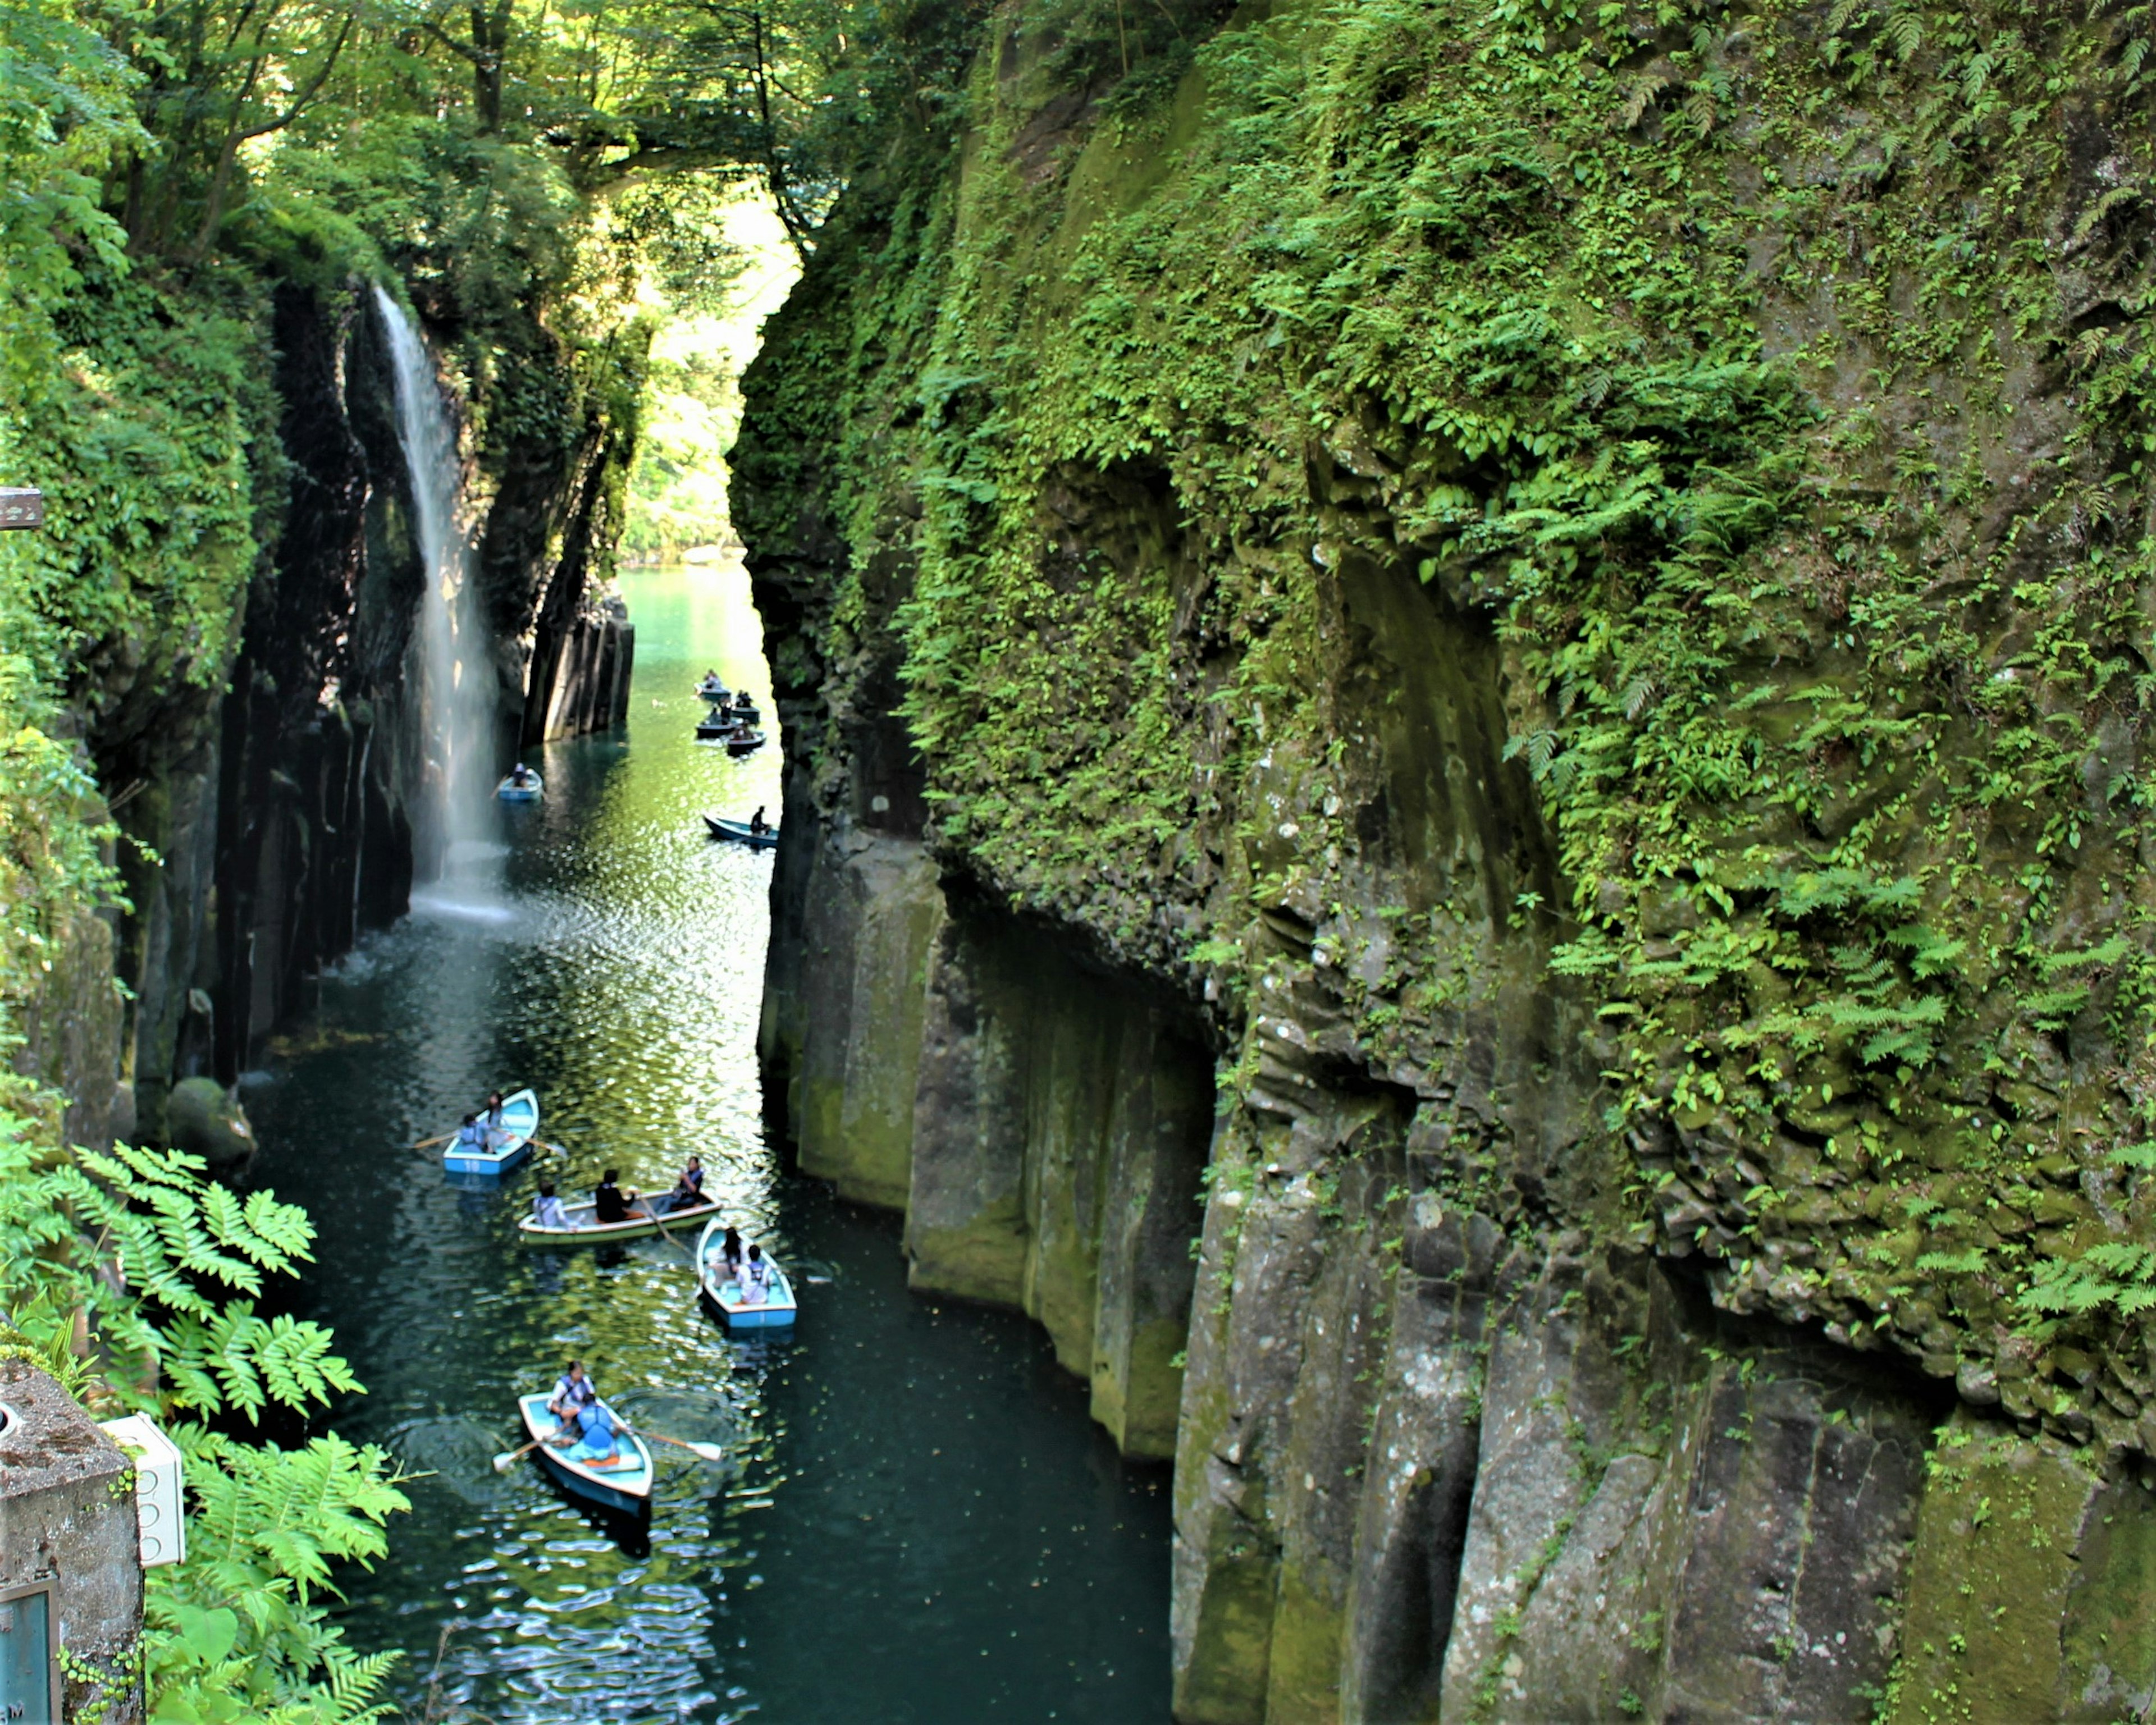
596, 1446
496, 1132
757, 825
755, 1278
730, 1251
609, 1203
520, 775
472, 1139
546, 1209
573, 1392
688, 1191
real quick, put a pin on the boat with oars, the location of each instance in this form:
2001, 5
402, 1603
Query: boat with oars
507, 1144
530, 788
713, 690
744, 742
585, 1229
740, 832
626, 1487
777, 1310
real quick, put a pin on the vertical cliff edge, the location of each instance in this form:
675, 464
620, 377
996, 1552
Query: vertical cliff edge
1463, 691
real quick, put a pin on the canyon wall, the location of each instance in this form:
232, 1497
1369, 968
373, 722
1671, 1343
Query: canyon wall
266, 817
1462, 697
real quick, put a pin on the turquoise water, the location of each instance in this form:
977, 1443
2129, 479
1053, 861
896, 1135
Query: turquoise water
916, 1520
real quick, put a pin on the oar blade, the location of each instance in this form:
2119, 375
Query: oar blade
506, 1461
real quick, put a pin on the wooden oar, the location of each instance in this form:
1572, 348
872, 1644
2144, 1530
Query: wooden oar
508, 1458
703, 1452
651, 1210
429, 1143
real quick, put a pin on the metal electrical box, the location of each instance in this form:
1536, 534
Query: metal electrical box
158, 1480
29, 1657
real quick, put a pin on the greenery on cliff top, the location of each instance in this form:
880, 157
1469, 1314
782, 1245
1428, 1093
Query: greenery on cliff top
1775, 383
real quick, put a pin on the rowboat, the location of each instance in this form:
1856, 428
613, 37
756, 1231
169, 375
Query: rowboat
712, 728
742, 711
510, 1144
624, 1488
740, 833
585, 1231
529, 791
778, 1308
744, 742
712, 689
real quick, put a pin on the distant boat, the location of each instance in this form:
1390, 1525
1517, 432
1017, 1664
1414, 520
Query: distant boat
529, 791
712, 728
585, 1231
744, 742
625, 1488
777, 1309
712, 689
519, 1121
742, 711
739, 831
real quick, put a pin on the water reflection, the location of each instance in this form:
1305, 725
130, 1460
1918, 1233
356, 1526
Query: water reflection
914, 1519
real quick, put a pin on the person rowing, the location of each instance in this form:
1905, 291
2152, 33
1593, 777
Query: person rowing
596, 1447
520, 775
547, 1211
757, 825
688, 1191
472, 1139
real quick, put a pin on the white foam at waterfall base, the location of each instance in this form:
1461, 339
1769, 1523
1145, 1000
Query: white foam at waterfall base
458, 840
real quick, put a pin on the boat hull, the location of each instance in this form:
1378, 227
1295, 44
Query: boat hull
594, 1234
509, 792
776, 1313
628, 1491
520, 1119
738, 832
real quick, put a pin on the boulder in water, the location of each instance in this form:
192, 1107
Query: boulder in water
204, 1119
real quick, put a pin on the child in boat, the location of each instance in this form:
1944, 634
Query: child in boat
547, 1208
755, 1278
573, 1392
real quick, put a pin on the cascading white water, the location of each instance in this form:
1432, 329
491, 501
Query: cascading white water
455, 658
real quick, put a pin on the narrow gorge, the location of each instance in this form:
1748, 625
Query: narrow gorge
1462, 686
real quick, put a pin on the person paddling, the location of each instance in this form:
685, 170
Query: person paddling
757, 825
595, 1445
472, 1137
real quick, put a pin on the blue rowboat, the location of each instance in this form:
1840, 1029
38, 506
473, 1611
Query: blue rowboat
511, 1143
583, 1230
713, 690
739, 832
777, 1310
623, 1488
529, 791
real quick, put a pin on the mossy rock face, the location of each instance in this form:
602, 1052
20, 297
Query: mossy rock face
204, 1119
2030, 1589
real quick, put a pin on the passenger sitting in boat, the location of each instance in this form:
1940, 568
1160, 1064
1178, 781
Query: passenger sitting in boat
547, 1208
472, 1137
610, 1204
688, 1191
496, 1132
595, 1446
520, 775
755, 1278
757, 825
729, 1249
573, 1392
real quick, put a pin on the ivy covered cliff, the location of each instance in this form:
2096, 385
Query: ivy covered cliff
1488, 663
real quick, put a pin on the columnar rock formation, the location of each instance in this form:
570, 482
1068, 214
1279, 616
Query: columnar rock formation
1402, 656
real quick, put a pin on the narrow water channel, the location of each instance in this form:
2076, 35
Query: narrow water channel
917, 1522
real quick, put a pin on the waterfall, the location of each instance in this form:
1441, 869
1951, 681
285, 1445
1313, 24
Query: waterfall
456, 663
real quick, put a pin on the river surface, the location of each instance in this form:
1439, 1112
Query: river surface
916, 1520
